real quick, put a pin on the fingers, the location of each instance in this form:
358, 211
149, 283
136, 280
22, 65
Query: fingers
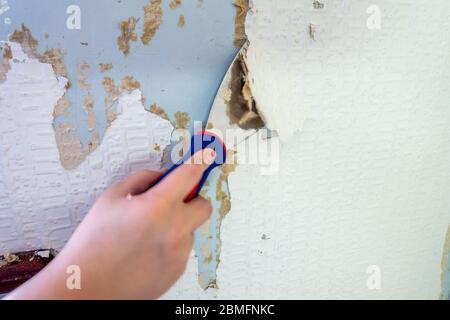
185, 178
196, 213
139, 182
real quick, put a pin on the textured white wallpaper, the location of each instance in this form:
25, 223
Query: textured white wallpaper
363, 186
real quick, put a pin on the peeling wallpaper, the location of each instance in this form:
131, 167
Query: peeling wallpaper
364, 119
42, 202
140, 70
362, 115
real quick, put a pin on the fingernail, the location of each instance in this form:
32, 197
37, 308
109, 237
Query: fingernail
209, 156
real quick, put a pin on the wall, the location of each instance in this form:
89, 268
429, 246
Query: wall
362, 114
364, 120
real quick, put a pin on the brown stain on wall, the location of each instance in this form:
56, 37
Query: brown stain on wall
242, 7
5, 64
222, 194
71, 151
152, 20
155, 109
127, 35
88, 106
82, 70
175, 4
241, 106
88, 101
181, 21
182, 120
26, 40
62, 107
55, 57
112, 93
129, 84
105, 67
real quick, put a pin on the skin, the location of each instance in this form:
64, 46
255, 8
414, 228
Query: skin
135, 241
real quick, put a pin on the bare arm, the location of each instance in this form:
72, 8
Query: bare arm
133, 244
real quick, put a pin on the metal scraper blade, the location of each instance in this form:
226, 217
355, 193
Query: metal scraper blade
219, 120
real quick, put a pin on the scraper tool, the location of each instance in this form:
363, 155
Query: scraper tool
219, 122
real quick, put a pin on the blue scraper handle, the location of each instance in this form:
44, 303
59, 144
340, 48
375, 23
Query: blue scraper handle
201, 141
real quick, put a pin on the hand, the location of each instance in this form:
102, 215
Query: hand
134, 243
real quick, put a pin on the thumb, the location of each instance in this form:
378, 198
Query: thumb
139, 182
